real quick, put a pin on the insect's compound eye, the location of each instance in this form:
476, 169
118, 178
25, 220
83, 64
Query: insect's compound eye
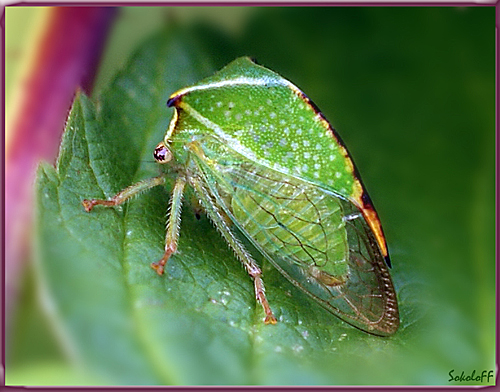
162, 154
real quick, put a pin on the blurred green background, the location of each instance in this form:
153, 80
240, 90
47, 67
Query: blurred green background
411, 91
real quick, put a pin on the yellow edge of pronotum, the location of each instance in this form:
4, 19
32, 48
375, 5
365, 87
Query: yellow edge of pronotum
171, 127
371, 217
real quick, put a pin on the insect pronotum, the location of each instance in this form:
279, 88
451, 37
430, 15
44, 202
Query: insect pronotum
256, 150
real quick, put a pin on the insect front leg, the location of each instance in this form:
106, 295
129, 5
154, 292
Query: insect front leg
173, 224
126, 194
250, 265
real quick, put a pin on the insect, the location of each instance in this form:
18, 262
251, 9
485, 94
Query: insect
265, 164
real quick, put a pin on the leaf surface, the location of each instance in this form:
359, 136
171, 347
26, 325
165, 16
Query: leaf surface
199, 323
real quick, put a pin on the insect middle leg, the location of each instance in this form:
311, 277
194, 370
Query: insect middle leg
250, 265
173, 224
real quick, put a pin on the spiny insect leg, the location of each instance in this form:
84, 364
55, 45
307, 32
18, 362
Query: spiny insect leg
250, 265
125, 194
173, 225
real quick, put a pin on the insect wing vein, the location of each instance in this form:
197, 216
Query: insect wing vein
301, 229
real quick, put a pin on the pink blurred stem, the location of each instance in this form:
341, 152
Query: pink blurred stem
66, 58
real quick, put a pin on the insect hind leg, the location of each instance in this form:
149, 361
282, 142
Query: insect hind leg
246, 259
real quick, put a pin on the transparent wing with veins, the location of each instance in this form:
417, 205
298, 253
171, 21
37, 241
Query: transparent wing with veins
318, 240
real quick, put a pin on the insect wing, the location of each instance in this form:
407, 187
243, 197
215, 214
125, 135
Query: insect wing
318, 240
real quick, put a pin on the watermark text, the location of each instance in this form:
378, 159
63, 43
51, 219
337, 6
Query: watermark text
485, 376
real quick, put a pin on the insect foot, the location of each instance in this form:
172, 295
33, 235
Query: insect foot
89, 204
159, 266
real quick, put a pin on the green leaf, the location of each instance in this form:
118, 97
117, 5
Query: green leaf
199, 323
